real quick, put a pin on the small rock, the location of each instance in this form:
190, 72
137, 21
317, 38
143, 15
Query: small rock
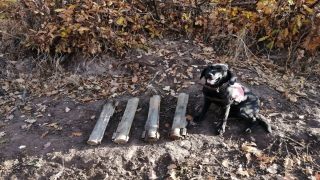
185, 144
9, 117
206, 152
205, 161
2, 124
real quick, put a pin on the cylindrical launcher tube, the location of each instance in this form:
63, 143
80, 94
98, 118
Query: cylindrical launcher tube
121, 136
101, 124
178, 129
151, 127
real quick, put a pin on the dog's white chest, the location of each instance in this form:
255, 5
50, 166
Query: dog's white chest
236, 92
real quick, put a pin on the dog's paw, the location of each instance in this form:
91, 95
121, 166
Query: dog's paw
248, 130
220, 130
269, 130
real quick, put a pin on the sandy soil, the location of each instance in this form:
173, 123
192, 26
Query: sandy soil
55, 145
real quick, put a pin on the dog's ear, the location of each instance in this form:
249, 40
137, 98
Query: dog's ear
224, 67
232, 77
203, 73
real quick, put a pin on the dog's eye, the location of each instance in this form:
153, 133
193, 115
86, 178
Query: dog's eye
219, 69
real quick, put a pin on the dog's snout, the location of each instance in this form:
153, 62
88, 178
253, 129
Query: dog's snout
210, 76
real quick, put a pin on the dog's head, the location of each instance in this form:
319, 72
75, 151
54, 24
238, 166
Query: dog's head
217, 74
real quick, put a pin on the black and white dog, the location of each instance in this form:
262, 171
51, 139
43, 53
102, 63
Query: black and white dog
222, 89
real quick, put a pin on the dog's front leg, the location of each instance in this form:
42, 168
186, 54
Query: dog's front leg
222, 126
253, 125
204, 110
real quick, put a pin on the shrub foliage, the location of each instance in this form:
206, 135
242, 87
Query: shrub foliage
93, 26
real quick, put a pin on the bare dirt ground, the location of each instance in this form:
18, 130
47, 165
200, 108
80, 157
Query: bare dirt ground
47, 138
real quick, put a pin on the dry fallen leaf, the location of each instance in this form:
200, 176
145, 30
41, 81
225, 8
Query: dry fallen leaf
296, 160
20, 80
288, 163
30, 120
241, 172
54, 125
286, 177
308, 170
2, 134
317, 175
309, 158
76, 134
290, 177
210, 178
292, 98
44, 134
9, 117
172, 173
248, 147
152, 175
73, 95
225, 163
135, 78
251, 171
166, 88
248, 156
172, 166
233, 176
26, 126
209, 49
272, 169
280, 89
39, 116
86, 99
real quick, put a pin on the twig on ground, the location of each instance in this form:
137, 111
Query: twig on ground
12, 110
87, 65
133, 61
270, 146
3, 11
156, 9
295, 48
154, 77
173, 29
312, 100
244, 3
219, 163
247, 49
24, 94
11, 35
58, 175
25, 91
287, 150
202, 3
302, 145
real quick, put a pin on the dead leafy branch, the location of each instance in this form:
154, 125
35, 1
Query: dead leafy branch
113, 26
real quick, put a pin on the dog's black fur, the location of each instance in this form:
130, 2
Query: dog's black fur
247, 107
